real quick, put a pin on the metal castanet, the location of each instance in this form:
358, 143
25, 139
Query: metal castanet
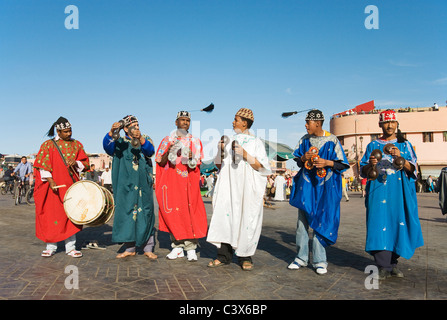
173, 152
223, 153
116, 132
309, 164
373, 173
387, 148
135, 142
236, 157
321, 172
398, 162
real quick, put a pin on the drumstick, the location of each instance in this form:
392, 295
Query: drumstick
61, 186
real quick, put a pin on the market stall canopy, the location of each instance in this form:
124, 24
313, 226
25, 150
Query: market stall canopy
278, 151
207, 167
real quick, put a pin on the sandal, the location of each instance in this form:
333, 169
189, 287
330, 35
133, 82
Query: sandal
216, 263
247, 266
94, 245
47, 253
125, 254
150, 255
75, 254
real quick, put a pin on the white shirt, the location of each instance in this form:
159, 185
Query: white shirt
106, 177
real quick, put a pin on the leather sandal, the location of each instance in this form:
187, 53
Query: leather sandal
216, 263
125, 254
247, 266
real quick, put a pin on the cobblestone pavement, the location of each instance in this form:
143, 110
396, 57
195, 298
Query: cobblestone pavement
25, 275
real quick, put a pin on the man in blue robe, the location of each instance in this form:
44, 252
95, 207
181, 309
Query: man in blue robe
317, 192
132, 187
392, 222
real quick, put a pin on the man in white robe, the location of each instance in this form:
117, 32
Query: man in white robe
238, 195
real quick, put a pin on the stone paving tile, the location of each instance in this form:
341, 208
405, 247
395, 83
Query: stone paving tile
24, 275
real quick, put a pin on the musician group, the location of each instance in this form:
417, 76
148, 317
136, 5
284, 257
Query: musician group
389, 163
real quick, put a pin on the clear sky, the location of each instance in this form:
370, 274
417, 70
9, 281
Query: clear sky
152, 58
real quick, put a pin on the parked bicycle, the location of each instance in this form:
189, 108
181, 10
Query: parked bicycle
7, 186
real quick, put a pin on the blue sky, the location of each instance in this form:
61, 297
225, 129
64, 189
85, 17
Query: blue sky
152, 58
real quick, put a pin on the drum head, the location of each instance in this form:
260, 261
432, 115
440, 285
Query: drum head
84, 202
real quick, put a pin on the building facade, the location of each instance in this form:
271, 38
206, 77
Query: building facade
425, 128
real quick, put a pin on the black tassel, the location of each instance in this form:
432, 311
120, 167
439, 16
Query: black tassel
288, 114
210, 108
50, 132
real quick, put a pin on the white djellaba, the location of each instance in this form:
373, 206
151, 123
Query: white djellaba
238, 199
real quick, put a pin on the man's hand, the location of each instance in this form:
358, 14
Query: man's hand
321, 163
372, 160
115, 126
72, 163
52, 184
395, 152
239, 150
307, 156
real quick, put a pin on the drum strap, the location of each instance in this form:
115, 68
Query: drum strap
63, 159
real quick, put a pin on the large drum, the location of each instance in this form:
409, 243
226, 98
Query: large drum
87, 203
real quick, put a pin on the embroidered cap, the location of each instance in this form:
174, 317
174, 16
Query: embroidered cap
129, 119
387, 116
62, 124
315, 115
245, 113
184, 114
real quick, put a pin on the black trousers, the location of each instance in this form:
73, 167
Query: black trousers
225, 254
385, 259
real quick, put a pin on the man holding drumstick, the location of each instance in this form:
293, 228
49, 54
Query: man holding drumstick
57, 166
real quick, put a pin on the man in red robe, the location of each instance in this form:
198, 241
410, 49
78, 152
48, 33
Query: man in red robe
54, 173
181, 209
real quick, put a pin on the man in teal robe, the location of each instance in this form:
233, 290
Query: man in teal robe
132, 183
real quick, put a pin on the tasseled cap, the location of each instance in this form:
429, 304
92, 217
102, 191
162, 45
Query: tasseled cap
129, 119
60, 124
315, 115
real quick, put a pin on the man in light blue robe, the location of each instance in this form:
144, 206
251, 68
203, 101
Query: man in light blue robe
392, 221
